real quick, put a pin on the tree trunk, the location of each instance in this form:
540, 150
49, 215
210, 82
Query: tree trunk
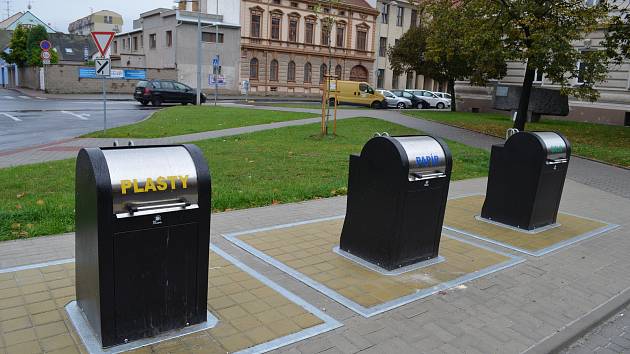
526, 91
451, 91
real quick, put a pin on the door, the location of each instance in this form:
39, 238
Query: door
430, 98
390, 99
184, 94
154, 280
169, 94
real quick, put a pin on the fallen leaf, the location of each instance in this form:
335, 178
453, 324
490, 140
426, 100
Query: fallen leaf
23, 234
18, 206
20, 195
15, 226
275, 202
40, 202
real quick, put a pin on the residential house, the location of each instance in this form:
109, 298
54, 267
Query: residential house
100, 21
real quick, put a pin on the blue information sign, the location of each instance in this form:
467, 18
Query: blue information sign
135, 74
87, 73
44, 45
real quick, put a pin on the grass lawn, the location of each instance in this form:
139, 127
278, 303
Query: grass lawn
269, 167
307, 105
601, 142
180, 120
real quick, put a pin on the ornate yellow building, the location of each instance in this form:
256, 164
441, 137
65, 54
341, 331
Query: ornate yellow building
287, 46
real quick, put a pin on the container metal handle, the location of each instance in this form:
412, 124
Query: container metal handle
160, 204
556, 161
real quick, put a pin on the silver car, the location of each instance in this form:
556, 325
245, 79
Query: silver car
394, 101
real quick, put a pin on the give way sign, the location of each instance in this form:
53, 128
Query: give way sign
102, 41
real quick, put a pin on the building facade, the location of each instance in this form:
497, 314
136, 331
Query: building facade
101, 21
167, 39
396, 18
24, 19
286, 48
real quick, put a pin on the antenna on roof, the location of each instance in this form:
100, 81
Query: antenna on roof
8, 8
30, 4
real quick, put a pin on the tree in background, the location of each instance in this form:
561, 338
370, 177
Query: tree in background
24, 45
540, 34
618, 35
446, 47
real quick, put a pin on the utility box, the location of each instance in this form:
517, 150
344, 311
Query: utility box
397, 191
142, 240
526, 179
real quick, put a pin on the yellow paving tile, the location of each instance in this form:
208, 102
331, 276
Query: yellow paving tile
461, 212
359, 284
33, 318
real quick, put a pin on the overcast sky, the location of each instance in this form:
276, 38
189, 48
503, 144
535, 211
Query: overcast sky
59, 13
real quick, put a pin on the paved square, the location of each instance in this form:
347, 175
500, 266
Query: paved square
254, 313
305, 251
461, 216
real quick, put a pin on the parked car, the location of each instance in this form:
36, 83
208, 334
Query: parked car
157, 92
395, 101
432, 98
416, 101
443, 95
355, 93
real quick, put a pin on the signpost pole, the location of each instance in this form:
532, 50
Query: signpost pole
104, 107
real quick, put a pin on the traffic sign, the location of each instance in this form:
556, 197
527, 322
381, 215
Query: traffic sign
103, 67
215, 62
46, 61
45, 45
102, 41
45, 55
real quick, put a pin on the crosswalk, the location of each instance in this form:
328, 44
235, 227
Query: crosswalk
22, 97
25, 117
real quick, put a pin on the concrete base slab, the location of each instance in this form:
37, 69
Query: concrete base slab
305, 251
381, 270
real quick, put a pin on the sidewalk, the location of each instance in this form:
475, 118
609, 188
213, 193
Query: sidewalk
525, 307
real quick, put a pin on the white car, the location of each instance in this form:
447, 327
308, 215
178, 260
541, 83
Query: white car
433, 99
443, 95
395, 101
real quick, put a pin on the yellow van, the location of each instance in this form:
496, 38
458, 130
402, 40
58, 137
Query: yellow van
355, 93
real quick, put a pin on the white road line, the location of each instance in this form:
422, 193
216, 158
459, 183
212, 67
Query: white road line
8, 97
41, 98
12, 117
25, 97
82, 116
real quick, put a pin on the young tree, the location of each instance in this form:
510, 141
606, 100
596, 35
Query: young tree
445, 47
540, 34
24, 45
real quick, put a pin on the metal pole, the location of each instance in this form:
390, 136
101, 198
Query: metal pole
199, 56
216, 43
104, 107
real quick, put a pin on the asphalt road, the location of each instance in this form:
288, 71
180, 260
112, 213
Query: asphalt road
28, 121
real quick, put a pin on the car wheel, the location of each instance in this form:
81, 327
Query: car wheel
156, 102
401, 105
184, 103
144, 103
376, 105
440, 105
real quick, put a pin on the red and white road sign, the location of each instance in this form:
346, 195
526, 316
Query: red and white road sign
45, 55
103, 40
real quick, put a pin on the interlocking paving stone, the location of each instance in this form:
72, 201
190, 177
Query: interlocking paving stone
307, 249
461, 217
35, 321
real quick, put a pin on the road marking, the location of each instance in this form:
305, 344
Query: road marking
82, 116
41, 98
8, 97
12, 117
25, 97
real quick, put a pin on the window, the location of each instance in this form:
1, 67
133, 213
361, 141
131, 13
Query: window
385, 14
294, 4
382, 47
123, 44
538, 76
152, 41
108, 19
275, 27
380, 78
341, 32
309, 30
291, 71
414, 18
628, 85
135, 43
592, 2
293, 29
255, 26
167, 85
115, 47
400, 16
181, 87
253, 69
325, 36
409, 83
581, 68
395, 81
338, 72
323, 70
211, 37
273, 70
276, 2
361, 39
169, 38
308, 73
141, 41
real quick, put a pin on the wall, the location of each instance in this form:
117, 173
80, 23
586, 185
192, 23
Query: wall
64, 79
